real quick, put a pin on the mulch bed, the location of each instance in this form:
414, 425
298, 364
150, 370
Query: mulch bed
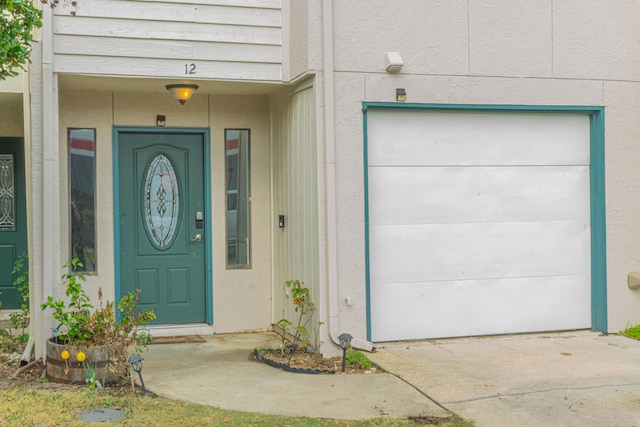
308, 363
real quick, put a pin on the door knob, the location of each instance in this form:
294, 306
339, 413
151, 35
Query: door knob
197, 238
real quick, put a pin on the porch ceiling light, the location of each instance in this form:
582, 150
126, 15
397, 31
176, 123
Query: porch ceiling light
182, 92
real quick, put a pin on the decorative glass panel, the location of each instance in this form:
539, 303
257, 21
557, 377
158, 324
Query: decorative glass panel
238, 198
82, 210
7, 188
161, 201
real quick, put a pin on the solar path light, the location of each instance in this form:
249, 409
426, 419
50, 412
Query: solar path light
345, 343
136, 364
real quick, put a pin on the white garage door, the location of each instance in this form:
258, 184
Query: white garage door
478, 223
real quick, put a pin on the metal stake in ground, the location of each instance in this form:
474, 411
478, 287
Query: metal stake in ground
136, 363
345, 343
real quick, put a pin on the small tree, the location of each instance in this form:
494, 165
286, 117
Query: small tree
18, 19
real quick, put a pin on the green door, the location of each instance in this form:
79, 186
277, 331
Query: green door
13, 217
161, 222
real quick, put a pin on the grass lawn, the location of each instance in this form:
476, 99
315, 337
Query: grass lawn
24, 407
632, 332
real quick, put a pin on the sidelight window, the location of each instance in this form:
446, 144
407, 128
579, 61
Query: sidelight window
7, 193
82, 179
238, 187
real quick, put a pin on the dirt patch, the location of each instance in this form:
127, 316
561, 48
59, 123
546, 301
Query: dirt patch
433, 421
33, 377
305, 362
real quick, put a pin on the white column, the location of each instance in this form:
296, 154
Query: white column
45, 185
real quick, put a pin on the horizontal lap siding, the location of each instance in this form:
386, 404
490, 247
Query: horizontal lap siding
238, 40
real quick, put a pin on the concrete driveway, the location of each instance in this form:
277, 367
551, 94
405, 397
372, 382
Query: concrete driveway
577, 378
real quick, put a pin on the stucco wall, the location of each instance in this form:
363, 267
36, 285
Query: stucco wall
12, 121
11, 106
495, 52
241, 298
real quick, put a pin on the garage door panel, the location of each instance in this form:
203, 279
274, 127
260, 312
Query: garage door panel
479, 250
478, 222
415, 195
443, 138
480, 307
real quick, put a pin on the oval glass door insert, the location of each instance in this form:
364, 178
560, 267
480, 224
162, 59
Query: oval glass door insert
161, 202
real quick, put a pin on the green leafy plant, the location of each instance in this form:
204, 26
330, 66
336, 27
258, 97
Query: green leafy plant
90, 375
19, 320
17, 19
296, 336
80, 324
632, 332
358, 358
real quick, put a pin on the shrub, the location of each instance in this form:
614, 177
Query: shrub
632, 332
358, 358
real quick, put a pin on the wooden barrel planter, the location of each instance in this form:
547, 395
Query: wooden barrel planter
98, 358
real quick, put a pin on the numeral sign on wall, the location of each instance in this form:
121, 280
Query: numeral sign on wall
189, 69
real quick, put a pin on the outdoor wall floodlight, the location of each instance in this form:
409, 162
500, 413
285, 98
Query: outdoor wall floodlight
392, 62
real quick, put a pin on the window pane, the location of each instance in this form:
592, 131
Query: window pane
82, 190
7, 202
238, 197
161, 202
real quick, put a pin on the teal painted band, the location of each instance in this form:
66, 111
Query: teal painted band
208, 237
485, 107
116, 208
366, 227
598, 225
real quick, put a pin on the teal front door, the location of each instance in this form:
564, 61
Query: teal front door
162, 227
13, 217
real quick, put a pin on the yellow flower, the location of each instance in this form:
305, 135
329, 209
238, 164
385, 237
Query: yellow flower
65, 354
80, 356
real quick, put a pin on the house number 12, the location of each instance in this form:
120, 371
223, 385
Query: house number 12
189, 68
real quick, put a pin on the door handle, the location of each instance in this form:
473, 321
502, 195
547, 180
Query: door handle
197, 238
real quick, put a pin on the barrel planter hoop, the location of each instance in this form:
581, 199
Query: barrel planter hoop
98, 358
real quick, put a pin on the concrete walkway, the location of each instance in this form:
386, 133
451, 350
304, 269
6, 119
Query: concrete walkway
221, 373
560, 379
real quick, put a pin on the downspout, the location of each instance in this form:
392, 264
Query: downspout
330, 153
26, 114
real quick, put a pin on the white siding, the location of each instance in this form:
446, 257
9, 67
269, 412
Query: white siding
236, 40
295, 195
